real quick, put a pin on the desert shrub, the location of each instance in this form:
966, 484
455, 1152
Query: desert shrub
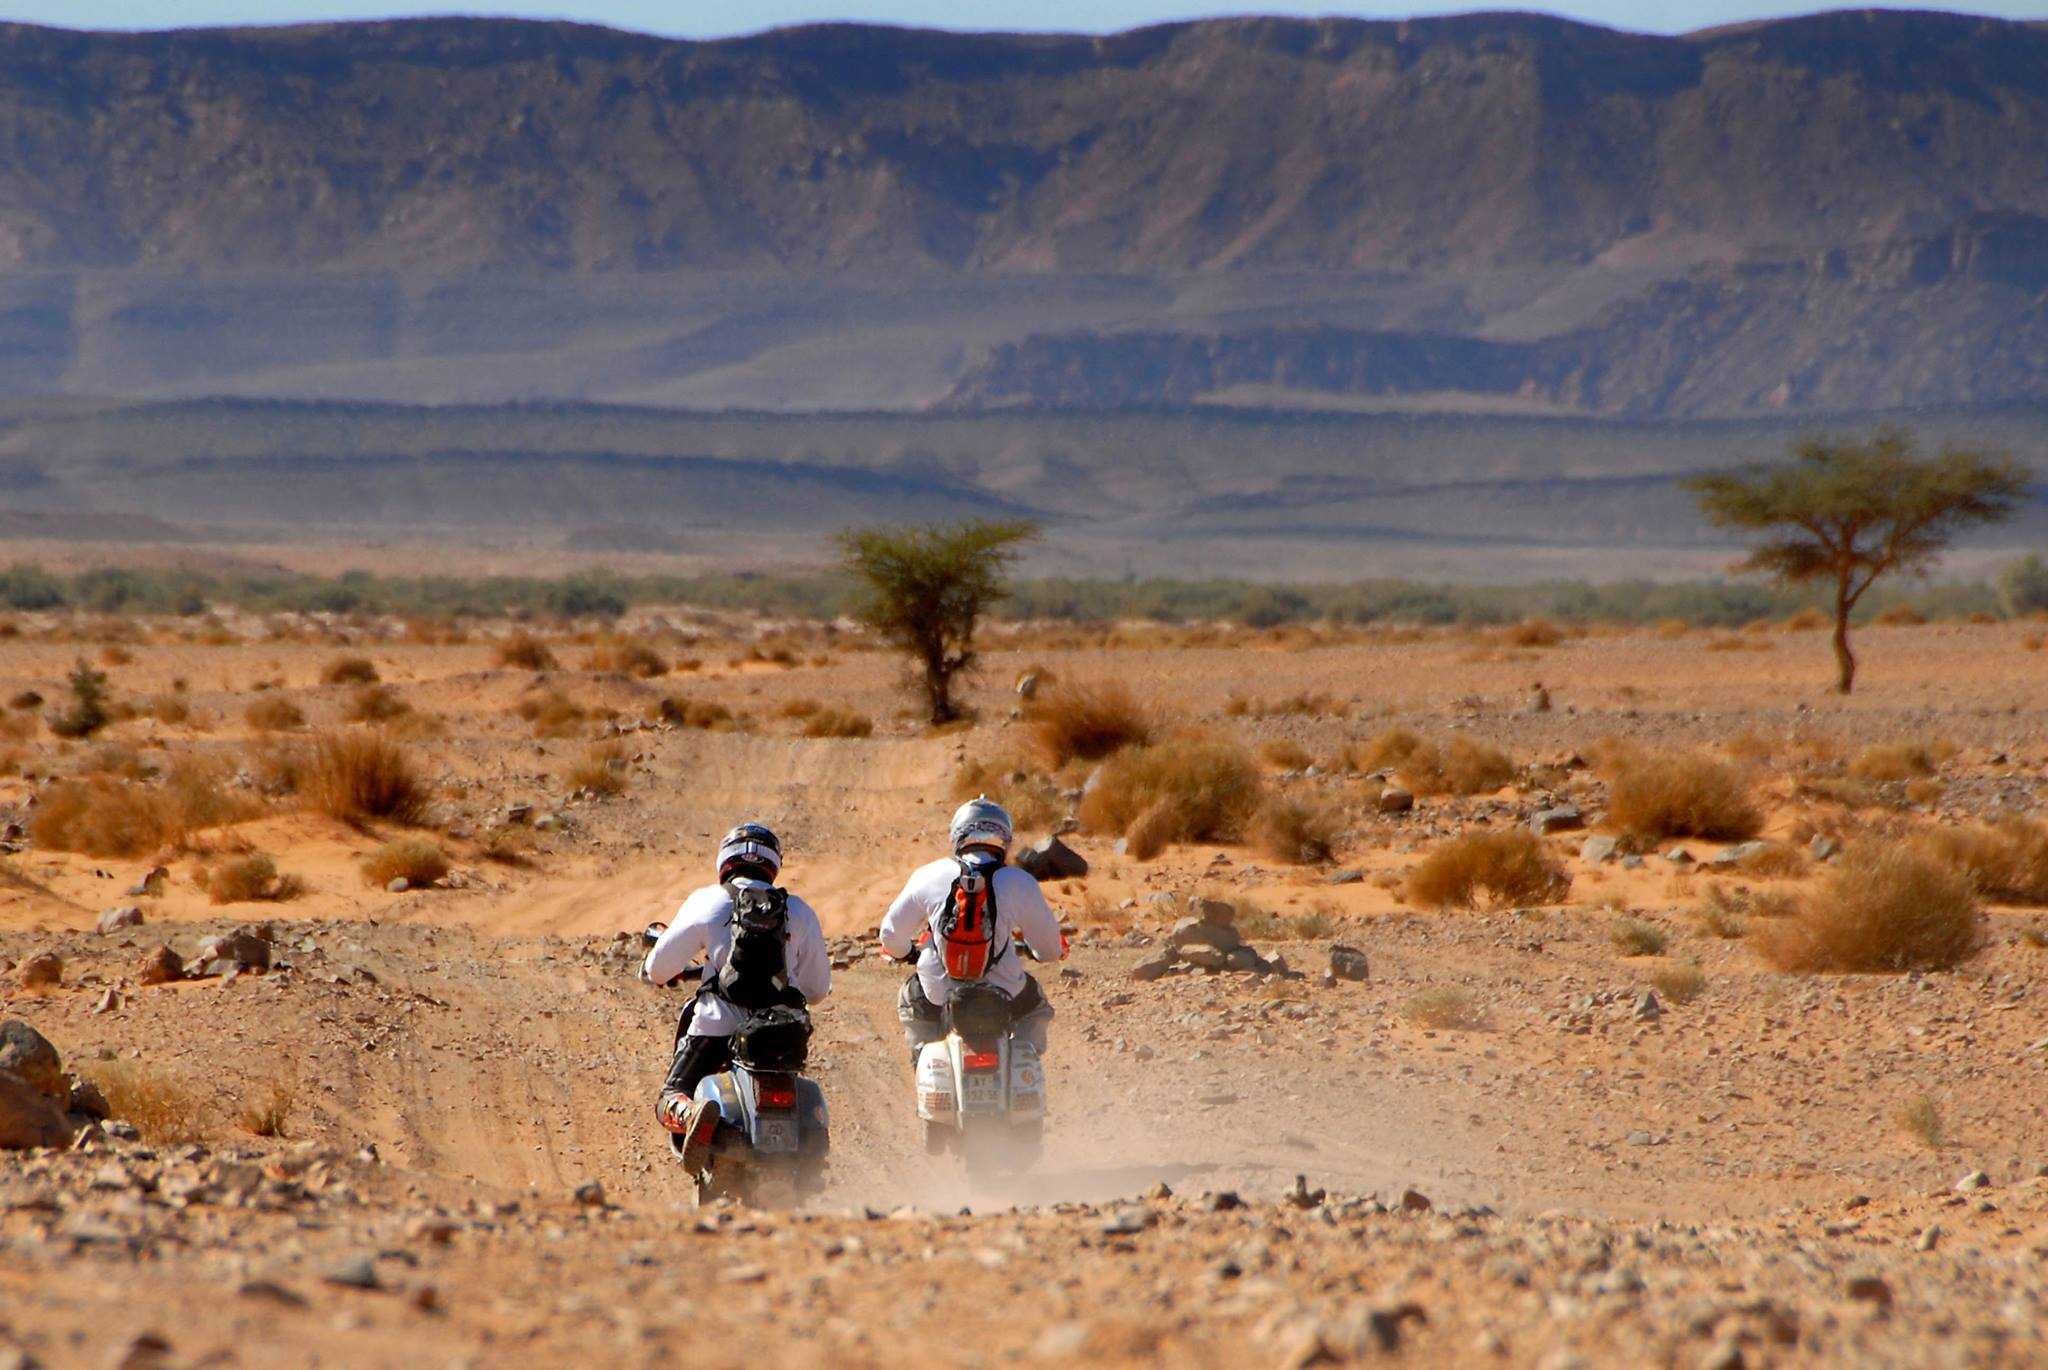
2035, 935
552, 714
1087, 722
2006, 861
1284, 754
1461, 766
1774, 862
694, 713
1902, 615
602, 769
1881, 908
839, 723
1534, 632
89, 710
375, 704
162, 1108
273, 713
118, 759
1294, 831
415, 860
104, 816
1496, 868
170, 709
362, 775
1634, 937
524, 651
628, 655
1032, 798
1681, 795
1150, 832
1920, 1118
1808, 620
26, 700
799, 708
1385, 752
268, 1113
1670, 628
1899, 760
1678, 984
1446, 1009
1277, 925
349, 670
1205, 789
277, 766
249, 879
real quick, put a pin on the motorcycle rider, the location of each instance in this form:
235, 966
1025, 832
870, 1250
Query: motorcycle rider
710, 922
981, 833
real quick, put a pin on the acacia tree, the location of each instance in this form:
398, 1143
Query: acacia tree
1848, 511
925, 590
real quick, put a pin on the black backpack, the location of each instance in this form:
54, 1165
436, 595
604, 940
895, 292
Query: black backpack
756, 974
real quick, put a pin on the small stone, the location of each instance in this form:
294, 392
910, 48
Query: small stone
40, 971
1414, 1201
590, 1194
1929, 1238
1224, 1201
1723, 1355
241, 949
360, 1273
1154, 966
160, 967
1051, 859
1824, 848
1347, 877
1128, 1223
1597, 850
1640, 1138
1349, 963
1973, 1181
29, 1117
108, 1001
269, 1291
399, 885
1028, 683
1869, 1289
150, 885
115, 919
1219, 934
29, 1055
1562, 818
1208, 958
1679, 856
1396, 801
1647, 1009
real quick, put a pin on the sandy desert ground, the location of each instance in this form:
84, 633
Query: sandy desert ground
1599, 1127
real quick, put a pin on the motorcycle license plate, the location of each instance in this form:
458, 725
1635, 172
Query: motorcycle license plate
984, 1092
777, 1135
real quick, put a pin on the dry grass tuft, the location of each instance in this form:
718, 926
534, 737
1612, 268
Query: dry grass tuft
350, 670
1087, 722
839, 723
1775, 862
1277, 925
1494, 868
162, 1108
269, 1113
249, 879
1653, 797
1881, 908
524, 651
170, 709
2006, 861
694, 713
1895, 761
103, 816
1149, 832
1295, 831
375, 704
553, 714
415, 860
1445, 1010
274, 714
1033, 800
1678, 984
1207, 790
1634, 937
1534, 632
1283, 754
506, 844
602, 769
1901, 616
628, 655
1920, 1118
364, 775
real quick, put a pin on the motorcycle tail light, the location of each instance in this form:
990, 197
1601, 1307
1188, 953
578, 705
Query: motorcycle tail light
780, 1093
981, 1060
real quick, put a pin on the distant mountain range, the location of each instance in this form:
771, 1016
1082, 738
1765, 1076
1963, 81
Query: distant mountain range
1534, 224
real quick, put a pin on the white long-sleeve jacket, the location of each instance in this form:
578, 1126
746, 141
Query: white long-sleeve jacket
704, 924
1020, 906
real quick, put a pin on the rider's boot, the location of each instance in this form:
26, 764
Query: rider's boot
695, 1122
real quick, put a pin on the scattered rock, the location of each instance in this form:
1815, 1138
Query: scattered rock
1155, 966
150, 885
28, 1116
360, 1273
1394, 800
1679, 856
1975, 1180
1869, 1289
1414, 1201
1347, 877
399, 885
590, 1194
28, 1055
1929, 1238
1647, 1009
115, 919
40, 971
1349, 963
1205, 957
109, 1000
86, 1098
1562, 818
161, 967
1597, 850
1206, 929
1824, 848
1028, 683
1051, 859
241, 949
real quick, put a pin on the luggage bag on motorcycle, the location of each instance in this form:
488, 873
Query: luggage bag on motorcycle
775, 1039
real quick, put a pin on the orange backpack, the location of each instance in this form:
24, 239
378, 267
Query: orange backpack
967, 924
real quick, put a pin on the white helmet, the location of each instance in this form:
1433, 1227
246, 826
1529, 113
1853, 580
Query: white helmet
750, 844
982, 823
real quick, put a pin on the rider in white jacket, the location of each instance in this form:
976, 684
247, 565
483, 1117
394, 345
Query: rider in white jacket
982, 826
749, 856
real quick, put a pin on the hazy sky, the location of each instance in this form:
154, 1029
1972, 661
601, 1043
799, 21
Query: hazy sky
706, 18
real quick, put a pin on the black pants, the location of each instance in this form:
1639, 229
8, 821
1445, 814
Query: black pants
922, 1022
696, 1057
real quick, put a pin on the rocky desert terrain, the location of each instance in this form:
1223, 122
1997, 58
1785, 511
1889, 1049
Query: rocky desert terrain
1494, 1012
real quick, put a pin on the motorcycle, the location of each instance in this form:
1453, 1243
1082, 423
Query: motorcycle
774, 1133
980, 1090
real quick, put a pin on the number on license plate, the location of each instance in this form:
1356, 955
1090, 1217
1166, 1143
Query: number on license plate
777, 1134
984, 1091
